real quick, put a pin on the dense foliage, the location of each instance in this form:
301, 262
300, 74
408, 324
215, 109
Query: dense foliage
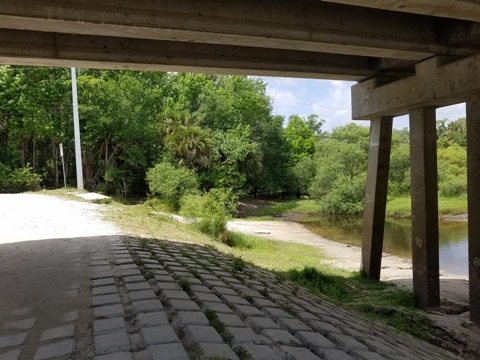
196, 141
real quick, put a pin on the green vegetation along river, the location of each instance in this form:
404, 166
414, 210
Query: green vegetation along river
398, 238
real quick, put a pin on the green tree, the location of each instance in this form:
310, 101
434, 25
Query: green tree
341, 164
300, 137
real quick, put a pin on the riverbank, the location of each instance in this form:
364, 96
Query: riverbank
448, 208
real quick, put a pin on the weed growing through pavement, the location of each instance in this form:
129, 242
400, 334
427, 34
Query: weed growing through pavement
185, 284
194, 272
148, 275
218, 325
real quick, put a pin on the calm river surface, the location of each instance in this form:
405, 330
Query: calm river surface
398, 238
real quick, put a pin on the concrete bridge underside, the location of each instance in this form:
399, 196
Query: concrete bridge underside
408, 57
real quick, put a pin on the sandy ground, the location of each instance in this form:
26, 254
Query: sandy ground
35, 216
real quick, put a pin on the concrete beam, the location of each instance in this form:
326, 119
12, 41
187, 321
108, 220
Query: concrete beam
435, 83
473, 177
456, 9
303, 25
49, 49
424, 193
376, 196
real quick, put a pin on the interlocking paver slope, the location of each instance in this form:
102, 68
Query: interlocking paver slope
165, 300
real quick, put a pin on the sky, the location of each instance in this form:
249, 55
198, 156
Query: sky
330, 100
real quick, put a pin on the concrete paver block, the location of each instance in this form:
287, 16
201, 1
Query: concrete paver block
164, 278
109, 311
366, 355
130, 272
281, 337
224, 291
133, 279
260, 352
152, 319
70, 316
145, 306
166, 285
174, 351
231, 320
200, 289
293, 325
184, 305
159, 335
234, 300
214, 283
175, 294
192, 318
314, 340
103, 282
114, 342
100, 300
104, 290
58, 332
127, 266
260, 303
108, 325
379, 347
56, 349
306, 316
331, 354
124, 355
276, 313
12, 340
11, 355
346, 343
296, 353
218, 351
21, 324
202, 297
324, 328
260, 323
202, 334
102, 274
247, 310
244, 336
217, 307
142, 295
138, 286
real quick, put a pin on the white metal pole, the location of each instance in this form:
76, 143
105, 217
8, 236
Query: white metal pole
76, 127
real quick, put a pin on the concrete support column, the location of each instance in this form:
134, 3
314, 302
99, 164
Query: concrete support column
376, 195
473, 180
424, 191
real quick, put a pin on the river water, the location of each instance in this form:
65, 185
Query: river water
398, 238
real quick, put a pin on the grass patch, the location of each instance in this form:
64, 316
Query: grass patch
158, 204
243, 241
401, 207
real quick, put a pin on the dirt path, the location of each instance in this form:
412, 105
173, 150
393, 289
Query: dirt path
46, 245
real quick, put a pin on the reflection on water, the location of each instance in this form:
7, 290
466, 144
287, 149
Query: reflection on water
398, 238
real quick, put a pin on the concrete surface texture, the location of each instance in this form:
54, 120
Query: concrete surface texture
116, 297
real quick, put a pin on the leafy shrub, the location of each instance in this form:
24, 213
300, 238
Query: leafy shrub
18, 180
171, 182
211, 209
347, 197
453, 186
